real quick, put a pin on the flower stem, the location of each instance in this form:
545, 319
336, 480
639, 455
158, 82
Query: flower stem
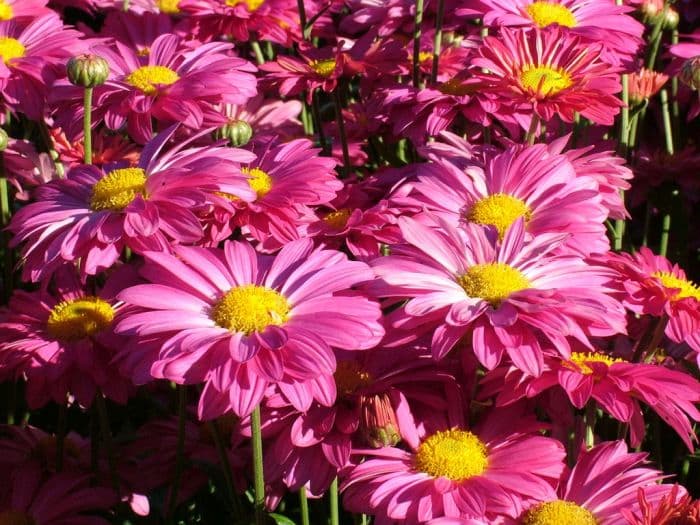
304, 506
333, 496
665, 231
437, 42
655, 38
623, 147
341, 130
532, 132
5, 215
258, 474
180, 450
318, 123
590, 418
418, 21
87, 122
257, 51
226, 469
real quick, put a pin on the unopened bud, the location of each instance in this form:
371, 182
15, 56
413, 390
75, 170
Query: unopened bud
238, 133
690, 73
380, 428
4, 140
671, 19
87, 70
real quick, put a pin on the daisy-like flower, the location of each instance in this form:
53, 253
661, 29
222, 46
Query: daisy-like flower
549, 72
23, 10
644, 84
522, 182
616, 385
94, 212
670, 510
503, 297
602, 484
171, 83
32, 56
456, 473
597, 21
656, 287
239, 321
62, 341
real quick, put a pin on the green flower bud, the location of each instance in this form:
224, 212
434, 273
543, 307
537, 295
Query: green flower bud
87, 70
4, 140
238, 133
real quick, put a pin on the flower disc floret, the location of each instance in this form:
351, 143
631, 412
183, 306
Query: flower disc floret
349, 376
323, 67
170, 7
499, 210
544, 14
252, 5
147, 78
544, 80
338, 219
581, 360
6, 11
11, 48
79, 318
250, 308
685, 287
259, 180
116, 190
453, 454
559, 512
492, 282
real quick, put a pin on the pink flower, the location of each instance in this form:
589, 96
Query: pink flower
549, 72
507, 297
23, 10
239, 321
670, 510
94, 213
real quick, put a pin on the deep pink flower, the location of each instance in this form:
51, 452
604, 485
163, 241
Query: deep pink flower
23, 10
239, 321
506, 297
670, 510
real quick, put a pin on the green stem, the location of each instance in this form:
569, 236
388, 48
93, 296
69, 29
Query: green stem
665, 231
655, 38
416, 42
180, 450
60, 436
333, 496
318, 124
304, 506
226, 468
306, 119
668, 133
532, 132
125, 5
437, 42
589, 419
675, 107
341, 130
302, 19
624, 118
5, 237
258, 474
257, 51
107, 437
87, 125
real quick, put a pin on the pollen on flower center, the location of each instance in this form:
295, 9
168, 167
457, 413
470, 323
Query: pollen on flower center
258, 180
456, 87
169, 7
250, 308
147, 78
338, 219
252, 5
581, 360
544, 14
685, 288
79, 318
11, 48
492, 282
349, 376
15, 517
117, 189
424, 56
544, 80
499, 210
453, 454
323, 67
559, 512
6, 11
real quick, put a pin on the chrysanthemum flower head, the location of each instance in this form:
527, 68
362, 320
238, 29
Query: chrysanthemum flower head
23, 10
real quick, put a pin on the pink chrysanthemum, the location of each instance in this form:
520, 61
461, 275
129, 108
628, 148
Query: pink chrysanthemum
171, 83
527, 182
94, 212
239, 321
62, 342
23, 10
670, 510
456, 473
32, 58
503, 297
550, 73
602, 484
597, 21
656, 287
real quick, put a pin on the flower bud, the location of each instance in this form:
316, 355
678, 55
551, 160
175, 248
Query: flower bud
238, 133
671, 19
379, 426
87, 70
690, 73
4, 140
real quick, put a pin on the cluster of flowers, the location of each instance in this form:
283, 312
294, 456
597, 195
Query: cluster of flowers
381, 242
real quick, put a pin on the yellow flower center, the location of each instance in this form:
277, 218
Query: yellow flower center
252, 5
338, 219
117, 189
323, 67
250, 308
6, 12
544, 80
456, 87
79, 318
258, 180
686, 288
349, 376
544, 14
10, 48
170, 7
147, 78
581, 360
15, 517
424, 56
453, 454
492, 282
499, 210
559, 513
